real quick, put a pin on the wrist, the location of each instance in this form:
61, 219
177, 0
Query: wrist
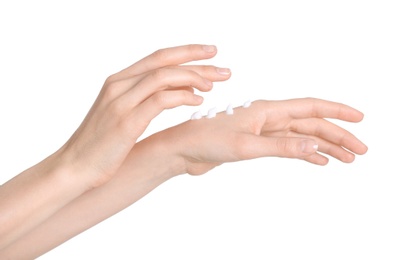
72, 171
161, 152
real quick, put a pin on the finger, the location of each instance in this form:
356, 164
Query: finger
154, 105
209, 72
189, 89
333, 150
115, 88
324, 146
252, 146
317, 159
328, 131
312, 107
162, 79
168, 57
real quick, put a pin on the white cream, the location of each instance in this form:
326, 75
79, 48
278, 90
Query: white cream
197, 115
230, 110
247, 104
212, 113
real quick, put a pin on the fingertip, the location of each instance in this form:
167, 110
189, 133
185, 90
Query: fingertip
366, 148
209, 48
363, 149
349, 158
323, 162
317, 159
198, 99
360, 116
355, 116
358, 147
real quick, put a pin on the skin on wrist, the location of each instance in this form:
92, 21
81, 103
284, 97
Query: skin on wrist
168, 161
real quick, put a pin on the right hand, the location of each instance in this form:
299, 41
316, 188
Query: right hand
129, 100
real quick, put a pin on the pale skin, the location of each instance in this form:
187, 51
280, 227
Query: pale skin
76, 184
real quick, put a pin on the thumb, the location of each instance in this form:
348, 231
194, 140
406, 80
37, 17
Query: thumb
289, 147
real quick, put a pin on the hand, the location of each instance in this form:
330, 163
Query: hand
291, 128
130, 99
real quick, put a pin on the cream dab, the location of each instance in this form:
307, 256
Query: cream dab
212, 112
197, 115
230, 110
247, 104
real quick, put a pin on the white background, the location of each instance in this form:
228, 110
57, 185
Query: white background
54, 57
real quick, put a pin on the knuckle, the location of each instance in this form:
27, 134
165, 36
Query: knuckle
191, 78
161, 54
167, 100
111, 90
183, 97
207, 69
160, 99
158, 74
186, 94
284, 147
110, 79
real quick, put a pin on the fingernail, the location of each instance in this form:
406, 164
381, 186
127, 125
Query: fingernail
209, 48
309, 146
223, 71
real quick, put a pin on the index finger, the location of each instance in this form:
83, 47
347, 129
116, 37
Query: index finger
169, 57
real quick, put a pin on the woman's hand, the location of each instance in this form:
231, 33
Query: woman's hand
130, 99
290, 128
294, 128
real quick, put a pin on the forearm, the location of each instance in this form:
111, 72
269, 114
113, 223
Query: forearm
35, 194
143, 170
